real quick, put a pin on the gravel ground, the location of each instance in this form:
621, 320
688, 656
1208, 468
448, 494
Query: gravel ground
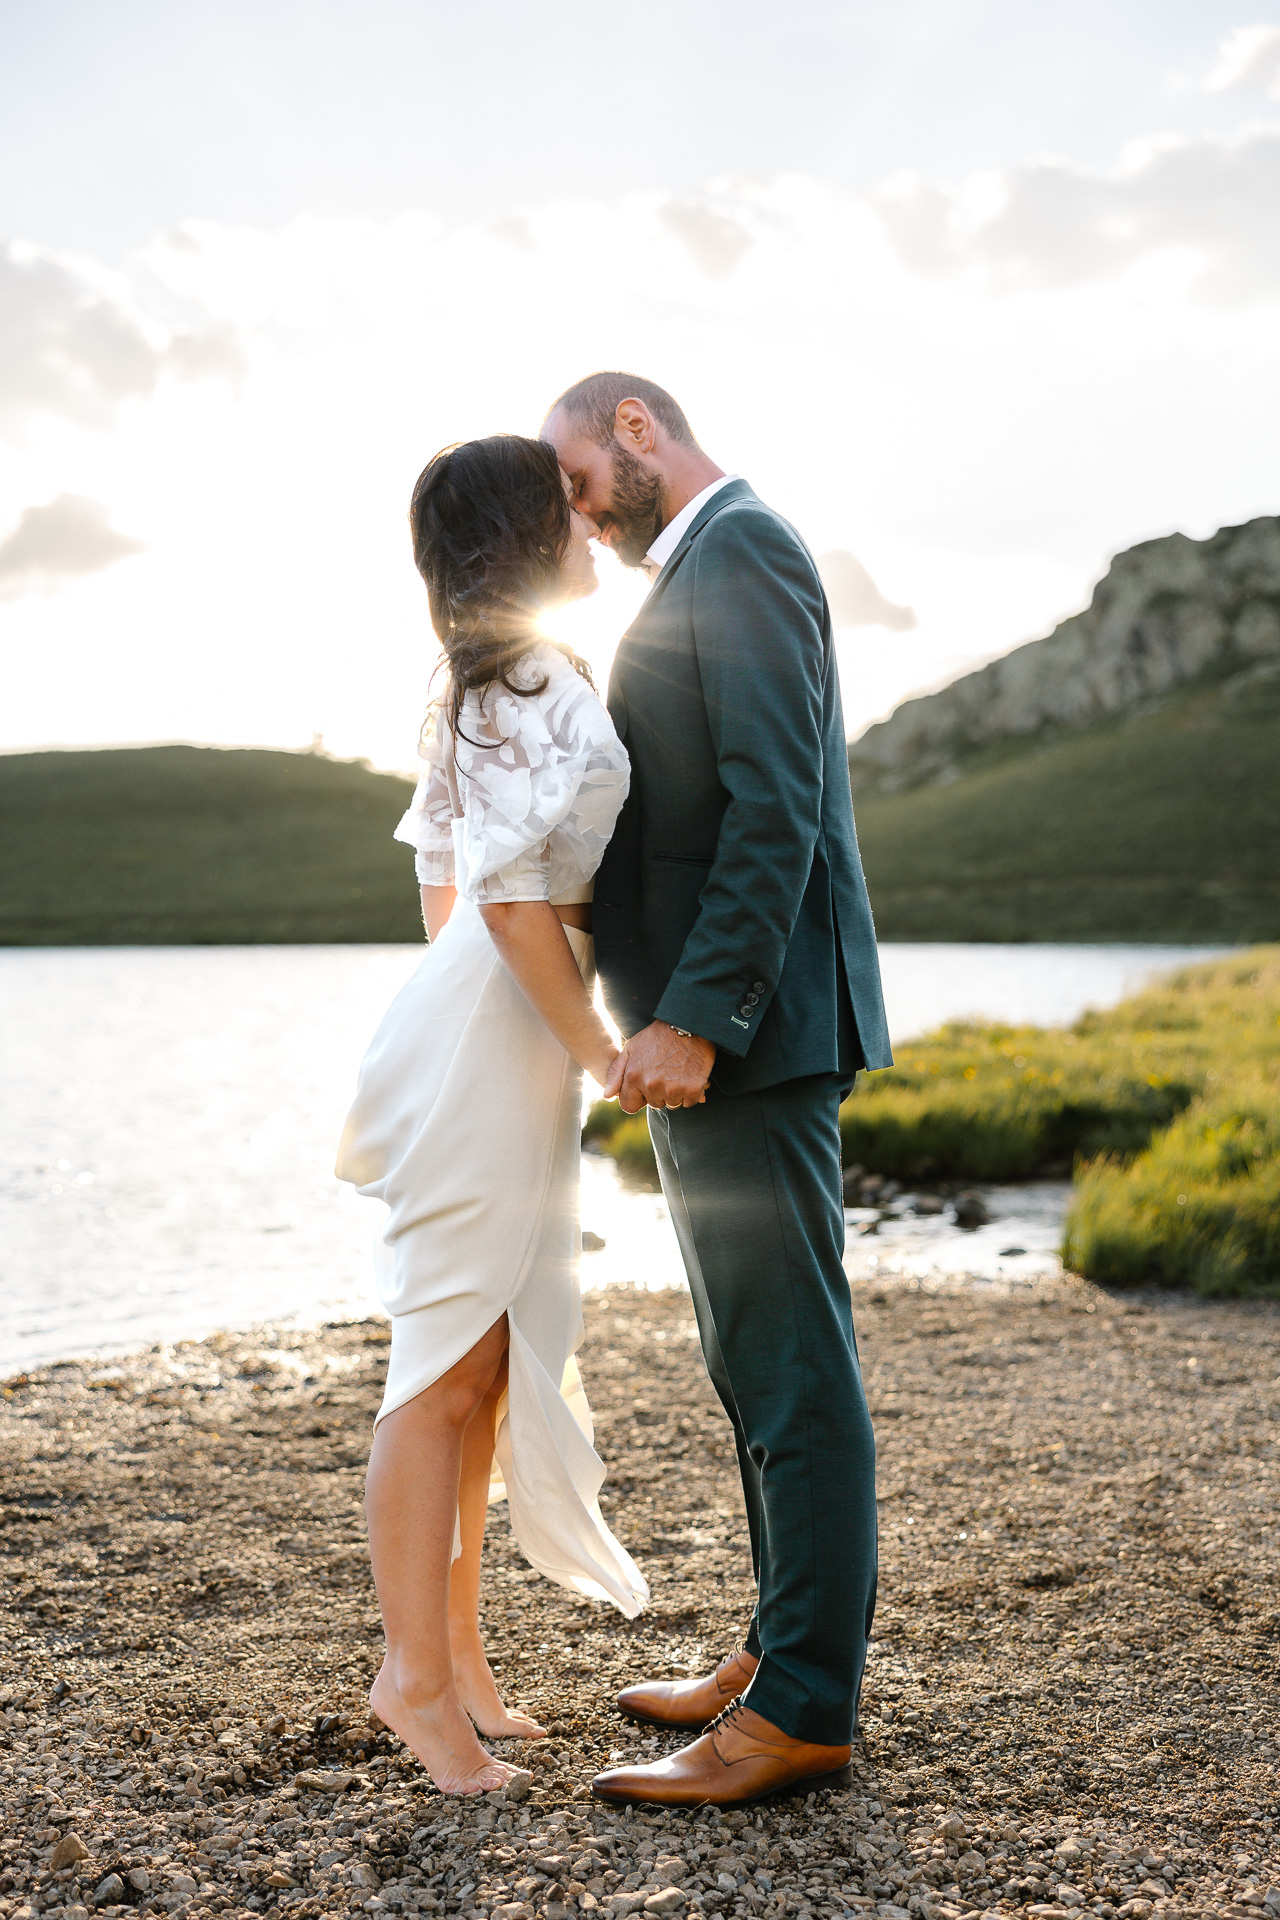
1072, 1699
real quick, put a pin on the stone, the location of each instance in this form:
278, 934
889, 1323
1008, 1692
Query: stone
139, 1879
670, 1900
361, 1874
278, 1879
109, 1891
515, 1789
951, 1826
318, 1782
971, 1210
68, 1850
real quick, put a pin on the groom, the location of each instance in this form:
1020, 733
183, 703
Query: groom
734, 940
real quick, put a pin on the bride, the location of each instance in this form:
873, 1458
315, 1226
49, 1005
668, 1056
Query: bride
467, 1114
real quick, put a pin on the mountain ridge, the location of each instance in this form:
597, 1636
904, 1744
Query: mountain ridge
1167, 613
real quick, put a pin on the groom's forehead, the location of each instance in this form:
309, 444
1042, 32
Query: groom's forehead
574, 446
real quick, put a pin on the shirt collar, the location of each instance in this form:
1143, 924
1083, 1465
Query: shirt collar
674, 531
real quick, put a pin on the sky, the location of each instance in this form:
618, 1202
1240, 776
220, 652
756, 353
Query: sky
976, 294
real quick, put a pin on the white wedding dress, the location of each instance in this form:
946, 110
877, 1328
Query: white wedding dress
467, 1115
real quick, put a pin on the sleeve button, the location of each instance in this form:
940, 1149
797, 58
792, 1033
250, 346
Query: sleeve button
757, 986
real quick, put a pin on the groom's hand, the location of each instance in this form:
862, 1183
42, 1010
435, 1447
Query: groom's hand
662, 1068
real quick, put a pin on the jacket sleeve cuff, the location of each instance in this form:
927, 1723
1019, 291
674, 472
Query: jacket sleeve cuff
706, 1014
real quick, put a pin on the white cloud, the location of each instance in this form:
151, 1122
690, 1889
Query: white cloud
67, 539
982, 441
1211, 201
855, 599
716, 241
1248, 59
74, 347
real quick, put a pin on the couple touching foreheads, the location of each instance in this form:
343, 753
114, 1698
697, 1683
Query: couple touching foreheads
700, 827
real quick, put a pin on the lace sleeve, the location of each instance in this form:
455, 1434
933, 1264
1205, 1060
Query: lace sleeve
542, 780
427, 827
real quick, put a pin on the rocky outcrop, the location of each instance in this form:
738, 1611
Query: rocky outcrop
1164, 613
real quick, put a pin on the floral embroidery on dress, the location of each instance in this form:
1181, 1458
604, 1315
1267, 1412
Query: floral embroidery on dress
541, 780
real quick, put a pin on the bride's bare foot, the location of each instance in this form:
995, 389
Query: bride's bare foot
441, 1735
478, 1692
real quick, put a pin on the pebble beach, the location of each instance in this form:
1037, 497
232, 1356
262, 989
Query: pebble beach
1072, 1702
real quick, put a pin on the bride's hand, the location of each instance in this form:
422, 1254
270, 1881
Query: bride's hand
615, 1067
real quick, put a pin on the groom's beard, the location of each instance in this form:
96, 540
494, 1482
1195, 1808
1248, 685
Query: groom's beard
635, 512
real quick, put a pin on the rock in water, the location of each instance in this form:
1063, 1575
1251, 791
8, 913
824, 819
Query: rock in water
971, 1210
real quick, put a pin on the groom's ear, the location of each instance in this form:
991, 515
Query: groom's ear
635, 426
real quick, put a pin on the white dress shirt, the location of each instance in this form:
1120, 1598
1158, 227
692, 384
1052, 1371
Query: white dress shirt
672, 534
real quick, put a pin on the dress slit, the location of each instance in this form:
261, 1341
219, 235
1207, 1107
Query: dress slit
466, 1124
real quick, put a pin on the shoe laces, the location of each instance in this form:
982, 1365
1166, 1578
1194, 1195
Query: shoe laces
724, 1716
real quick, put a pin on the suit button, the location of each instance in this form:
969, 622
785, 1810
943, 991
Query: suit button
744, 1008
752, 998
757, 986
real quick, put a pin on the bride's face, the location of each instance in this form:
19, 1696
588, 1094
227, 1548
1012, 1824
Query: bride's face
578, 568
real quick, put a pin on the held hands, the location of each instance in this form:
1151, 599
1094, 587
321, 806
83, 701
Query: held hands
661, 1068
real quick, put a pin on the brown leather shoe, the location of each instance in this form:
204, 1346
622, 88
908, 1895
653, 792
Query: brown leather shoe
689, 1703
740, 1758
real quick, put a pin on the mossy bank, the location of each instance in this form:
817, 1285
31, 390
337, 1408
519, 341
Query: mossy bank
1167, 1106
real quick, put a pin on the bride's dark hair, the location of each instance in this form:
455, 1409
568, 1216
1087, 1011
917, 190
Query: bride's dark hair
491, 524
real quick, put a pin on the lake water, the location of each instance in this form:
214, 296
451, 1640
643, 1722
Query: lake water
169, 1118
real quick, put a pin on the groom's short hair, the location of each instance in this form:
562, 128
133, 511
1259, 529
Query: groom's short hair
593, 403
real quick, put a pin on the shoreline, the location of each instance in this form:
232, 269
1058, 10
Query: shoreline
1076, 1646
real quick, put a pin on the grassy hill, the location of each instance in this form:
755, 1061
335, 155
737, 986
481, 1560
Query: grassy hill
1159, 824
196, 845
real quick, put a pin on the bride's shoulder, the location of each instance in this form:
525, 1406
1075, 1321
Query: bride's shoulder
560, 692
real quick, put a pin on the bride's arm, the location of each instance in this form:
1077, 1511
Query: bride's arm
536, 953
437, 905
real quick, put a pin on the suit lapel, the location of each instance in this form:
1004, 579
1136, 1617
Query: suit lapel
735, 490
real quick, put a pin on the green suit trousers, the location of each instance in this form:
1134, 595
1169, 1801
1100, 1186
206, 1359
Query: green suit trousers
753, 1184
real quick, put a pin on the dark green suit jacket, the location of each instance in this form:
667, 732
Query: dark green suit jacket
731, 899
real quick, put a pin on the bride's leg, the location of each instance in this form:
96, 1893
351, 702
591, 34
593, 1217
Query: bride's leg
475, 1683
411, 1499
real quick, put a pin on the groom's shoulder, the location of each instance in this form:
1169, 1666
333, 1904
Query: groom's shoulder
744, 519
746, 527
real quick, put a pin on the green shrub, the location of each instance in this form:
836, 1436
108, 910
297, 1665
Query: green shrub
1005, 1103
977, 1102
1200, 1208
625, 1138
